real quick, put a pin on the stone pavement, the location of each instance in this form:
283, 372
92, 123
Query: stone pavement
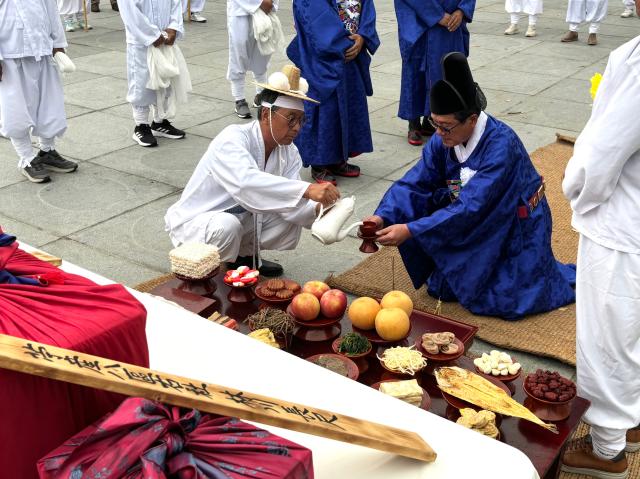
108, 216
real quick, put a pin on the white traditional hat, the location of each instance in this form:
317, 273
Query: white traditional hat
288, 82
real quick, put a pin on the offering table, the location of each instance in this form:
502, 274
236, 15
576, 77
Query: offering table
185, 344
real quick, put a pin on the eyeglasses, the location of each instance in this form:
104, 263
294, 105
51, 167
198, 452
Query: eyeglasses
444, 129
293, 121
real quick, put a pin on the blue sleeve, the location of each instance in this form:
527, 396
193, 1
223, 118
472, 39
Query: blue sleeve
487, 202
467, 7
367, 28
419, 192
429, 11
319, 45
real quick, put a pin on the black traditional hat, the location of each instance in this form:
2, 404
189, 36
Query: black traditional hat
456, 91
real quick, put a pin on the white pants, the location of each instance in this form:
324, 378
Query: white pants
244, 55
31, 102
608, 340
196, 5
528, 7
589, 11
631, 4
70, 7
233, 234
139, 95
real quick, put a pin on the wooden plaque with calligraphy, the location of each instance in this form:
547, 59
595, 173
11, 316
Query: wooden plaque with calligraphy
65, 365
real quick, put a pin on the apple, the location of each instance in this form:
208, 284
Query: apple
333, 303
316, 288
305, 306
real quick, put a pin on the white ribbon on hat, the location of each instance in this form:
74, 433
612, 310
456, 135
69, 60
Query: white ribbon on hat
285, 101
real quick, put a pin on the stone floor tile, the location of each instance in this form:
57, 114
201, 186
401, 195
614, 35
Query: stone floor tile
116, 268
570, 89
211, 129
32, 235
174, 167
110, 63
513, 81
94, 134
555, 66
535, 136
98, 93
140, 232
71, 202
551, 112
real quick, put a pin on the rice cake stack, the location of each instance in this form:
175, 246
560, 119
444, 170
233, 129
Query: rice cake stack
194, 260
408, 391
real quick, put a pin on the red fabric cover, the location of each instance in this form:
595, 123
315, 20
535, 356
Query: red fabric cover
37, 414
143, 439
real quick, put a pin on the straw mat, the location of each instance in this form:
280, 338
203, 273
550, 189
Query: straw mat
550, 334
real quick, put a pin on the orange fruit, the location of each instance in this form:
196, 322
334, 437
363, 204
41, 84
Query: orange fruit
392, 324
362, 312
397, 299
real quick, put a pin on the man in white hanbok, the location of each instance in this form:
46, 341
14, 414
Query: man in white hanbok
196, 9
602, 182
244, 54
246, 194
517, 8
592, 12
72, 13
31, 96
149, 24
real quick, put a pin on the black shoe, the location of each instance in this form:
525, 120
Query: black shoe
52, 161
268, 268
95, 7
255, 101
114, 6
167, 130
242, 109
36, 172
345, 169
414, 136
426, 129
323, 175
143, 136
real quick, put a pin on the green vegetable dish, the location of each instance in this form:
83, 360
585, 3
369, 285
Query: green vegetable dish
354, 343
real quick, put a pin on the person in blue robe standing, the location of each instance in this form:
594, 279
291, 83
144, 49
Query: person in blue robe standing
470, 218
333, 46
427, 30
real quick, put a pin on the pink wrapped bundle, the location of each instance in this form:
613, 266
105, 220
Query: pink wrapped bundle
143, 439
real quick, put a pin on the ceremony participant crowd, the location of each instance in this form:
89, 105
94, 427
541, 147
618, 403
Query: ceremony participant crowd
470, 218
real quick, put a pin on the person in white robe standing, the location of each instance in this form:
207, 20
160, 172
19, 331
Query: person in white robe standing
518, 8
73, 14
592, 12
246, 194
149, 24
629, 7
31, 96
244, 54
602, 182
196, 9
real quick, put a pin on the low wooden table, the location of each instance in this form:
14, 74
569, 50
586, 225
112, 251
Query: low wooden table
542, 447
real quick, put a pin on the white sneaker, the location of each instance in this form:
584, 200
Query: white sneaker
531, 31
196, 17
511, 29
628, 12
69, 25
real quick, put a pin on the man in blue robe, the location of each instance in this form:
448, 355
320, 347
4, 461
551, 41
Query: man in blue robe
470, 218
427, 30
332, 47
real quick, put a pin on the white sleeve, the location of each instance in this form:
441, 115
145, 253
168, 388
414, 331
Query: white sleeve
231, 164
57, 32
177, 19
137, 24
610, 138
250, 6
305, 214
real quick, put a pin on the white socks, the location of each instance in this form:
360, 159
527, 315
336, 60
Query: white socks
25, 151
237, 89
607, 442
141, 114
47, 144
